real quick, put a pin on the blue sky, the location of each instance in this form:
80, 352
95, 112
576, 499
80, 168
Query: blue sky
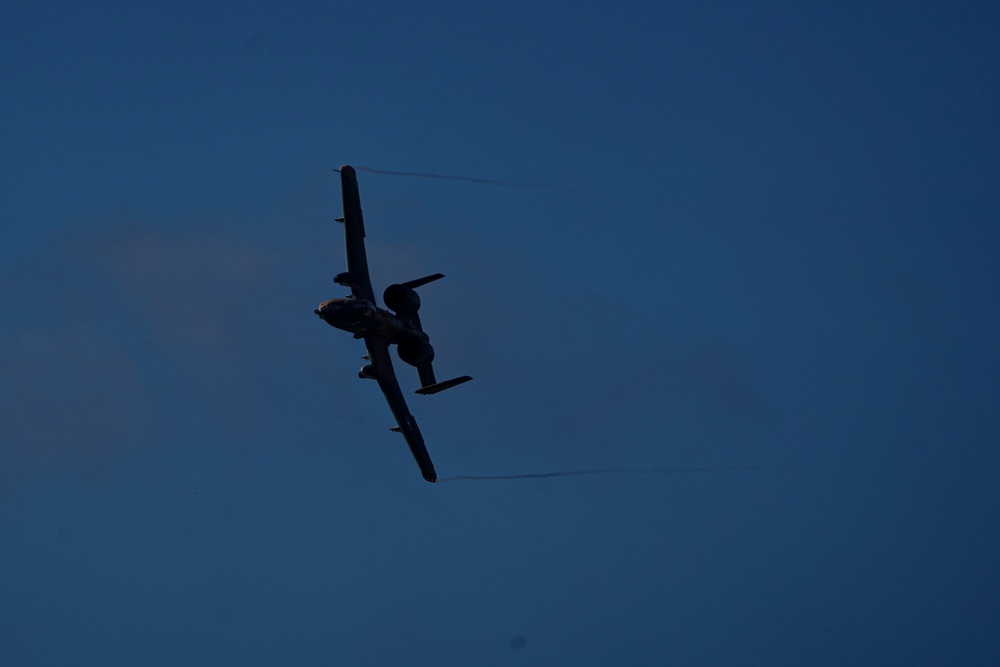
784, 257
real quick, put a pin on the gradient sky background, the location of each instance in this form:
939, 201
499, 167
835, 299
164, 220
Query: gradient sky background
786, 257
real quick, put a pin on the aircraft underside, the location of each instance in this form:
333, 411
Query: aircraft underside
359, 315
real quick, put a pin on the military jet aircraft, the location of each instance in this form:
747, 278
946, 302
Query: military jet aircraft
359, 315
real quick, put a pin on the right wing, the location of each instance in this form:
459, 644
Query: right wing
378, 353
354, 235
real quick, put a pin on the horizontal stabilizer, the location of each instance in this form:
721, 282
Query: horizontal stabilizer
441, 386
414, 284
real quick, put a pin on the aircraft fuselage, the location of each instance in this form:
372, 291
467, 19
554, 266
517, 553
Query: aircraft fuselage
363, 318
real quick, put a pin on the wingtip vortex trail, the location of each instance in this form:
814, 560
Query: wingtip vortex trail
603, 471
478, 181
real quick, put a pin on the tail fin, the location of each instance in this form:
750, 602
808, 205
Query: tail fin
429, 384
414, 284
434, 388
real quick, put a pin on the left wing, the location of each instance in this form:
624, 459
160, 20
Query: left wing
357, 277
378, 353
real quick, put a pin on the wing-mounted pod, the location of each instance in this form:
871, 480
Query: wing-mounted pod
346, 279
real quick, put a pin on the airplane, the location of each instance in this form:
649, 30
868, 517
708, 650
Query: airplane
360, 315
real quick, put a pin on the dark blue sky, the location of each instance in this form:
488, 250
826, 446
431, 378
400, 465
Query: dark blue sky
785, 258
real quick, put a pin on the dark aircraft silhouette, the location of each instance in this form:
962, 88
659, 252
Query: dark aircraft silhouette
359, 315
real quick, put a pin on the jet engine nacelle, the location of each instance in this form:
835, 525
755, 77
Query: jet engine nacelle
402, 300
415, 352
367, 373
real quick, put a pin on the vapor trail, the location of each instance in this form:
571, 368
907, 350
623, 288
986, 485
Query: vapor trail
480, 181
606, 471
